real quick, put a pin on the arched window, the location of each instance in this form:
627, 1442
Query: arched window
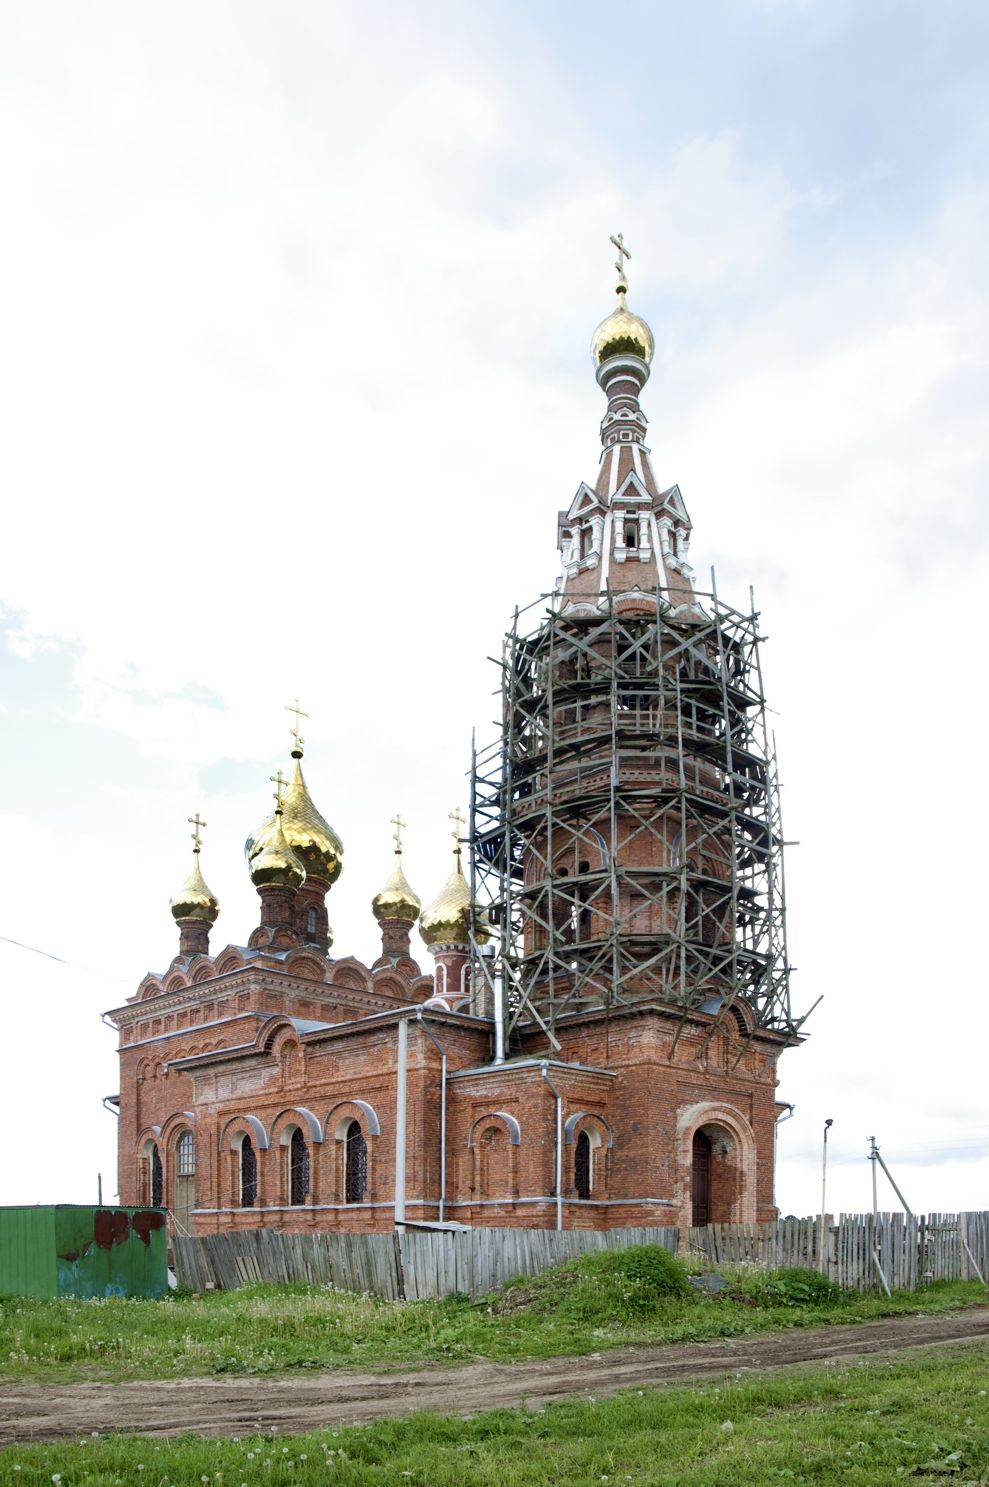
631, 533
311, 922
355, 1172
185, 1155
582, 1165
248, 1174
583, 913
157, 1180
298, 1168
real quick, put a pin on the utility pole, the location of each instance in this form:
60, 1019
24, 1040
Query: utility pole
874, 1157
873, 1153
822, 1243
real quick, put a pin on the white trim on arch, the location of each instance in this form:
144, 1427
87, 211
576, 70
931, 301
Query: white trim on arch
256, 1128
313, 1128
368, 1111
573, 1121
514, 1129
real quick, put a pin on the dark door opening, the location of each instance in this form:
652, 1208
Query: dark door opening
700, 1180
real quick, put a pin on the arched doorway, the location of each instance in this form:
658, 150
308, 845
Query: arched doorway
700, 1180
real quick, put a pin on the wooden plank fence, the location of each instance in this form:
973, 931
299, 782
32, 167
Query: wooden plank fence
861, 1254
414, 1264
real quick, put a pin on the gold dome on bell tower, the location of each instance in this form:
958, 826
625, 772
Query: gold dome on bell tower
622, 333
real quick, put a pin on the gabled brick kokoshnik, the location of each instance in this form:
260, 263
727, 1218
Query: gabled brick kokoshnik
597, 1044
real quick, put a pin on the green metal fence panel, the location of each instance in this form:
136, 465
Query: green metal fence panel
75, 1250
110, 1251
27, 1252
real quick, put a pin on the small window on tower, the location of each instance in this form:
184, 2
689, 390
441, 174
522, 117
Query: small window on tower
311, 922
631, 534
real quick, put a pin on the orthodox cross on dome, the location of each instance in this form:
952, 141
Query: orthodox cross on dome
398, 823
197, 825
294, 707
279, 782
460, 820
619, 241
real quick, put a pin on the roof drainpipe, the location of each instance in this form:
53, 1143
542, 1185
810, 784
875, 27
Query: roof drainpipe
401, 1113
780, 1120
544, 1071
439, 1048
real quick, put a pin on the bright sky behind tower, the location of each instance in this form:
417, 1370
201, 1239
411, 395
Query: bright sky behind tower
296, 301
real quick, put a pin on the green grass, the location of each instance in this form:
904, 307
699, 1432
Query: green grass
920, 1420
598, 1302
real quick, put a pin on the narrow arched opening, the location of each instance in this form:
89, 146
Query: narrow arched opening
298, 1169
700, 1180
355, 1164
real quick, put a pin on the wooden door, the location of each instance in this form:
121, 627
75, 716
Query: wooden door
700, 1180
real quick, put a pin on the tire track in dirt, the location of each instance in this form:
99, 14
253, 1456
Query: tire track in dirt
222, 1407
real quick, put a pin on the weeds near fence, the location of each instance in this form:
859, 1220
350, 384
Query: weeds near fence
576, 1308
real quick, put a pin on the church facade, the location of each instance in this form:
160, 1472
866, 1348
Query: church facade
596, 1042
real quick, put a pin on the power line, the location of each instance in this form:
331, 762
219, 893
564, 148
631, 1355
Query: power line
74, 964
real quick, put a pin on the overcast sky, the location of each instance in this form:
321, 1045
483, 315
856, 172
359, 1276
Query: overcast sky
295, 304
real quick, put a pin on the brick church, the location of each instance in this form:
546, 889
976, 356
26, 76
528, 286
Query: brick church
595, 1044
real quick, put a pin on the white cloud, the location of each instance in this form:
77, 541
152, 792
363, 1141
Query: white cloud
294, 386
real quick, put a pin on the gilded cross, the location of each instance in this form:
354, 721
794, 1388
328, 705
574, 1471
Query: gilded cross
398, 823
197, 825
619, 241
296, 708
460, 821
279, 782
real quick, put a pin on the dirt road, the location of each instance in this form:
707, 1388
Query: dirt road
212, 1406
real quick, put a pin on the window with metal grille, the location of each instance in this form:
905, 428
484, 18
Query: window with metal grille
248, 1174
157, 1182
185, 1155
355, 1179
298, 1168
582, 1165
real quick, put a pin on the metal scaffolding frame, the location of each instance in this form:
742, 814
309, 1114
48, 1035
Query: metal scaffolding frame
625, 825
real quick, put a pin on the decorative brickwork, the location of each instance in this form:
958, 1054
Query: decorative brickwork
597, 1045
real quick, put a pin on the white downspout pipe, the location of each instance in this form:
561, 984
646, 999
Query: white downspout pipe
439, 1048
544, 1071
401, 1116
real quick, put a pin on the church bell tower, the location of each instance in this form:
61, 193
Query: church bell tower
626, 830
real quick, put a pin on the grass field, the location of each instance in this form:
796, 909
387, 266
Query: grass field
586, 1306
922, 1420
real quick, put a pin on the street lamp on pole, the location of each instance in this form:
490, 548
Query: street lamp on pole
824, 1197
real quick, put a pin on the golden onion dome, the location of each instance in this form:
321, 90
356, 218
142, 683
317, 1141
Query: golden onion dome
194, 899
397, 900
276, 865
447, 921
313, 840
622, 334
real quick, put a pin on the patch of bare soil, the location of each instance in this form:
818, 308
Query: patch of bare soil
215, 1407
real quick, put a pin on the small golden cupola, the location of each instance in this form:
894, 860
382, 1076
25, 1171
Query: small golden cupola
194, 907
313, 841
278, 875
622, 333
448, 919
277, 865
396, 906
311, 838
